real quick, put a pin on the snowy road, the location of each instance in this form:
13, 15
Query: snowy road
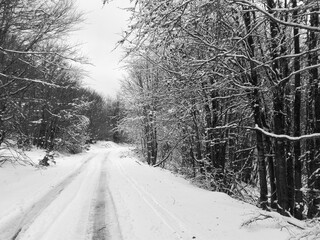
110, 195
76, 208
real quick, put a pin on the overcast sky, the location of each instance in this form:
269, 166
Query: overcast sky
98, 37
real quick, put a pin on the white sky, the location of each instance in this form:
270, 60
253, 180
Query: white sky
98, 37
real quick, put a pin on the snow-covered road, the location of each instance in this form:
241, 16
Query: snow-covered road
107, 194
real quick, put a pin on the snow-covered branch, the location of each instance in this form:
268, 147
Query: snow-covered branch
283, 136
28, 80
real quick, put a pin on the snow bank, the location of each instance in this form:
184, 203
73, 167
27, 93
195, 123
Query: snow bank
22, 186
155, 204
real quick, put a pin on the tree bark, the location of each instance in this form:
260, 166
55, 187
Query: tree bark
2, 128
256, 106
298, 208
272, 177
280, 155
279, 70
197, 140
314, 161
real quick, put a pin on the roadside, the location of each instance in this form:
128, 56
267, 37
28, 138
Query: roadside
153, 203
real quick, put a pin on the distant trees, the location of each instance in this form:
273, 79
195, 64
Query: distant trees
104, 116
222, 88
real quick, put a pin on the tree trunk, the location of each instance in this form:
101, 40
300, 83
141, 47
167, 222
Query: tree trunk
151, 137
2, 128
197, 140
42, 129
286, 116
272, 177
280, 70
210, 141
256, 106
280, 155
298, 208
314, 161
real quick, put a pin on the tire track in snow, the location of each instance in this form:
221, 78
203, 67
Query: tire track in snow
169, 219
99, 224
19, 224
105, 222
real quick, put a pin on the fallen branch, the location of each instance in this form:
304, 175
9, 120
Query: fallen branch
281, 220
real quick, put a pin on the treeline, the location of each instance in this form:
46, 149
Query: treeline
42, 101
229, 91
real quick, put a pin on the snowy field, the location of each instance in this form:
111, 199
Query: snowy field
107, 194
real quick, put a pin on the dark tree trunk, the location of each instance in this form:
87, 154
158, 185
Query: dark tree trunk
298, 208
314, 161
287, 119
219, 149
289, 157
280, 155
209, 143
280, 70
151, 137
262, 170
52, 134
2, 128
272, 177
42, 129
193, 159
197, 140
210, 108
256, 106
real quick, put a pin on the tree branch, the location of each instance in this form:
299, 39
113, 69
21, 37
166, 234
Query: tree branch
283, 136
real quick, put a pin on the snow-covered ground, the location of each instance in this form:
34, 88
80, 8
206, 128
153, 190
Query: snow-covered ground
107, 194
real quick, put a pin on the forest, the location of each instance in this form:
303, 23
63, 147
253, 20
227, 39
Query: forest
43, 102
227, 92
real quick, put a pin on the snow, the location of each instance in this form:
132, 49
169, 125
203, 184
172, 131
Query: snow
23, 186
168, 207
139, 202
